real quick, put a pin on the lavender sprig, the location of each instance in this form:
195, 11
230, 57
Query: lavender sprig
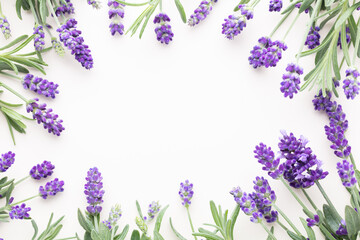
116, 13
291, 80
186, 193
70, 36
93, 191
201, 12
40, 86
39, 35
234, 24
163, 30
45, 116
51, 188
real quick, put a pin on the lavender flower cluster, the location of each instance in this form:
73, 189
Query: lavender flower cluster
116, 13
40, 86
163, 30
5, 27
201, 12
43, 170
351, 84
186, 193
39, 35
301, 167
291, 80
45, 116
258, 204
267, 53
70, 36
51, 188
313, 38
66, 7
234, 24
94, 191
6, 160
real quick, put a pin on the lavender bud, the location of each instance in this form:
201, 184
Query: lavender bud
40, 86
154, 208
5, 27
313, 38
346, 173
291, 80
163, 30
201, 12
66, 7
313, 221
94, 3
57, 47
186, 193
351, 85
114, 216
39, 41
275, 5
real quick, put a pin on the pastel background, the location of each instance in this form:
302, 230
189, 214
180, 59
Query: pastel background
150, 116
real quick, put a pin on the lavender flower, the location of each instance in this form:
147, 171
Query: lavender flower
298, 5
237, 194
201, 12
66, 7
71, 38
186, 193
247, 204
94, 3
57, 46
256, 217
6, 160
291, 80
267, 53
342, 231
351, 85
275, 5
51, 188
116, 13
163, 30
323, 103
262, 186
263, 206
266, 157
5, 27
45, 116
302, 168
346, 173
39, 41
20, 212
154, 208
93, 191
42, 170
313, 221
233, 25
40, 86
348, 37
114, 216
313, 38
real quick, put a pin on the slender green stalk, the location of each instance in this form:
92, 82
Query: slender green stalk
291, 26
190, 221
310, 200
33, 12
327, 199
21, 180
282, 225
287, 220
25, 200
50, 6
356, 43
268, 231
280, 23
296, 197
254, 3
10, 75
13, 92
355, 195
352, 160
307, 29
96, 223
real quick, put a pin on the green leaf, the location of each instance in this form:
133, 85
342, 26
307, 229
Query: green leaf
331, 16
132, 4
272, 231
9, 192
305, 5
215, 213
233, 218
328, 3
344, 45
344, 16
309, 231
95, 235
18, 8
157, 236
85, 223
14, 42
208, 236
335, 63
87, 236
159, 219
352, 221
181, 10
146, 21
11, 65
139, 210
43, 11
293, 235
123, 234
10, 104
21, 46
177, 234
135, 235
36, 229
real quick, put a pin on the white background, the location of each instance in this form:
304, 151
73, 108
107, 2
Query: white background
150, 116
